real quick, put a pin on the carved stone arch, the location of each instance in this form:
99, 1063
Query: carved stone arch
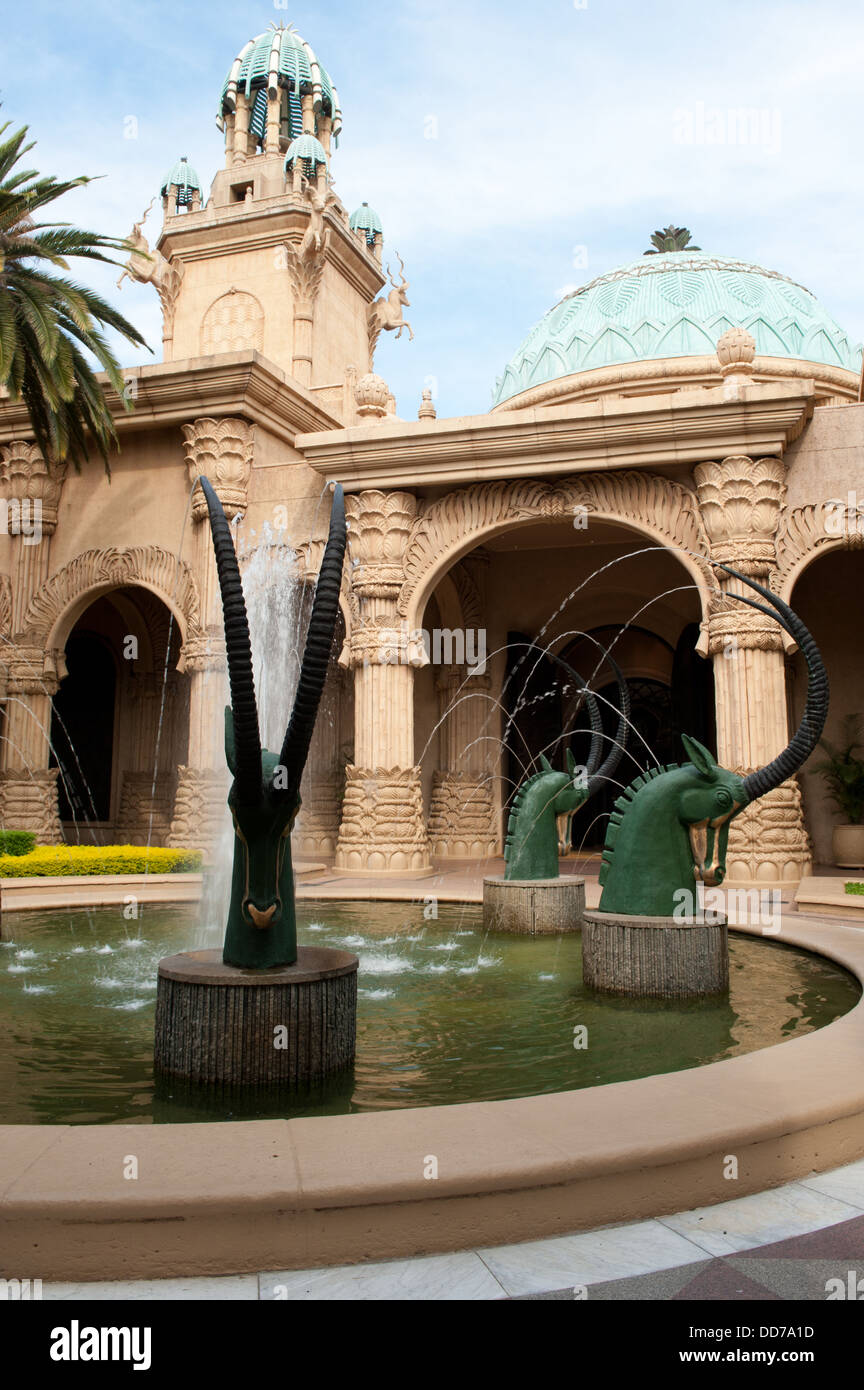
662, 510
233, 323
56, 606
812, 530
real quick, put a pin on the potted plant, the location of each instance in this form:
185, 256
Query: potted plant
844, 773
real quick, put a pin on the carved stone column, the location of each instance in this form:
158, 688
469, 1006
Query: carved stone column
241, 129
463, 819
741, 499
383, 828
305, 265
32, 493
316, 830
222, 451
28, 787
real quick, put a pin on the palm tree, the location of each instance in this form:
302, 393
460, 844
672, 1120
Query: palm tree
671, 239
48, 322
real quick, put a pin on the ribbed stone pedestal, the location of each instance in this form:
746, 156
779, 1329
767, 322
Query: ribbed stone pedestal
655, 957
221, 1026
533, 906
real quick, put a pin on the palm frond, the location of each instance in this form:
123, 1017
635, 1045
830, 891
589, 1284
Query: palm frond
48, 322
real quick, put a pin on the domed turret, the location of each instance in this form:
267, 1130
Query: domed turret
275, 91
671, 307
182, 186
309, 151
366, 226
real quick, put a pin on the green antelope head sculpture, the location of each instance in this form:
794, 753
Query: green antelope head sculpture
264, 798
670, 828
548, 799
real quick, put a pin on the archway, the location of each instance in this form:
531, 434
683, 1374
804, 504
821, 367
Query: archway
119, 725
825, 595
537, 589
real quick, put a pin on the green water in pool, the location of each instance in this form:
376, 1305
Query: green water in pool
446, 1013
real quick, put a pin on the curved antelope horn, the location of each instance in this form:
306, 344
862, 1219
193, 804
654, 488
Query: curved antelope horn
597, 776
247, 739
401, 272
316, 653
809, 731
593, 712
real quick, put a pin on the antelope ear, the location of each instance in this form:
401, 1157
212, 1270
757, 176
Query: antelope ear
571, 761
230, 750
545, 763
699, 756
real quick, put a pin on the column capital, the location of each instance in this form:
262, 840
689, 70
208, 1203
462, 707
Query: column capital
740, 500
204, 654
736, 626
25, 477
379, 524
222, 451
381, 641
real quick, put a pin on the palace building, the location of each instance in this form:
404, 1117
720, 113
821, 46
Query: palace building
685, 408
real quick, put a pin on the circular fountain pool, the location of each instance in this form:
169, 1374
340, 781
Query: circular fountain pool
446, 1013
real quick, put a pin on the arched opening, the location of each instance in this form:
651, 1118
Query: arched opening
119, 726
825, 598
544, 590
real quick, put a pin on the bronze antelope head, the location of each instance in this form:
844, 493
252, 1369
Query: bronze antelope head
670, 828
265, 794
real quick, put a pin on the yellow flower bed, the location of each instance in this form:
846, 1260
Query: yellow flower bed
70, 860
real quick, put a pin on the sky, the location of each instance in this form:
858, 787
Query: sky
512, 152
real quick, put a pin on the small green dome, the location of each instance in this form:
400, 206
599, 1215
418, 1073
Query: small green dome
308, 148
675, 304
366, 219
184, 178
280, 58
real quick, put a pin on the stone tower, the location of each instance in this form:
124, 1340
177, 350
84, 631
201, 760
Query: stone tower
270, 262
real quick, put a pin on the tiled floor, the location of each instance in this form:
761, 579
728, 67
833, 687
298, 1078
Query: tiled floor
804, 1241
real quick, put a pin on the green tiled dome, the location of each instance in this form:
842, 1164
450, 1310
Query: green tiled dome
184, 178
675, 304
308, 148
366, 219
280, 58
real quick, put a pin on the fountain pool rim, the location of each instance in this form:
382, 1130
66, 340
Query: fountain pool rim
236, 1197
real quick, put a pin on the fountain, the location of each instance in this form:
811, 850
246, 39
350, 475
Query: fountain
263, 1011
533, 896
669, 833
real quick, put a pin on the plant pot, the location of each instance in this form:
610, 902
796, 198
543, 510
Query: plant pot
848, 846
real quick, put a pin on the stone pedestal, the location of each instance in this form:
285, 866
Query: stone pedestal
655, 957
217, 1025
533, 906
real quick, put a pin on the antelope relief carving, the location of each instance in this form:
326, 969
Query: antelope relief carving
386, 313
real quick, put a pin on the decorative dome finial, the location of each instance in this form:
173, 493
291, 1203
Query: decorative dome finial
671, 238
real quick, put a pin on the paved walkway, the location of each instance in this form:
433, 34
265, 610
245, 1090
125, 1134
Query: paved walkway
789, 1243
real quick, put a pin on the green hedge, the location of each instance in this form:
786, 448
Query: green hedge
72, 860
855, 888
17, 842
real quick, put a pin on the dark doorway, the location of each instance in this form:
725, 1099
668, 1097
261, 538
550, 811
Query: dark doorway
671, 692
82, 729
